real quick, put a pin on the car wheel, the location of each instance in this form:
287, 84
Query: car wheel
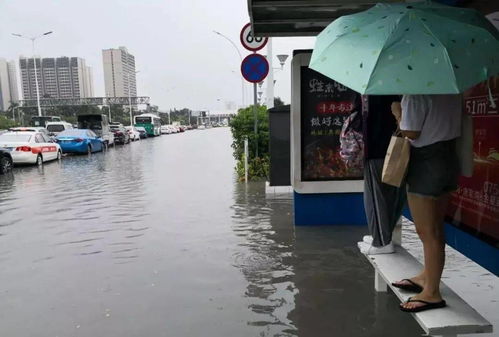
59, 155
39, 160
5, 165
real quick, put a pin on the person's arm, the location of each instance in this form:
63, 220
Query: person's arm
412, 111
397, 113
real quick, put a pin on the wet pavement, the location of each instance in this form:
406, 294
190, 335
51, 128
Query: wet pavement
159, 239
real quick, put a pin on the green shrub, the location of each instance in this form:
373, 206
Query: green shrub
6, 123
242, 126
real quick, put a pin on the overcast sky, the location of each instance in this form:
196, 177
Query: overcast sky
182, 62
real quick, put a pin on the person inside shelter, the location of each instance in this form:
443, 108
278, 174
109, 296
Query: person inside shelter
383, 203
432, 123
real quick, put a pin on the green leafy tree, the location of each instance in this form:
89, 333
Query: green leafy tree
278, 102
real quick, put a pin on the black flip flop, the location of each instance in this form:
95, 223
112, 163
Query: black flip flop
426, 306
412, 287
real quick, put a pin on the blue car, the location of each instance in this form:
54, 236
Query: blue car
79, 141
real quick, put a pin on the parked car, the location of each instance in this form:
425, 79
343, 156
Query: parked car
5, 161
80, 141
133, 133
33, 129
54, 128
142, 131
165, 129
99, 124
121, 135
30, 147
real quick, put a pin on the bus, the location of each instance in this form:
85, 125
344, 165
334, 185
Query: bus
42, 120
150, 122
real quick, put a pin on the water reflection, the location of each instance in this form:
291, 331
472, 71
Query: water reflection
265, 259
308, 281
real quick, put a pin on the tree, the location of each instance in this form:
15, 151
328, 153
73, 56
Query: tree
278, 102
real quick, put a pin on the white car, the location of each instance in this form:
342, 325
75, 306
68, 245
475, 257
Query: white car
57, 127
165, 129
30, 147
133, 132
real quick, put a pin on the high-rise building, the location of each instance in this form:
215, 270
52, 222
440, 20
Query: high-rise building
8, 84
61, 77
119, 72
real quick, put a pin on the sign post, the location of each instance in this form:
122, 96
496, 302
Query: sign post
254, 68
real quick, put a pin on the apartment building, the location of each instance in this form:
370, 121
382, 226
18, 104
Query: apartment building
8, 84
61, 77
119, 72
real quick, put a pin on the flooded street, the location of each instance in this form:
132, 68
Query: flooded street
159, 239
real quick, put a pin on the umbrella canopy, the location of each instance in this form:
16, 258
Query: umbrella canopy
408, 48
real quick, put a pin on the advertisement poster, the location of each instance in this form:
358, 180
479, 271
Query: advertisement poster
474, 207
325, 104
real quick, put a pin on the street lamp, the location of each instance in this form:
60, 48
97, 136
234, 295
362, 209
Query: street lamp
270, 86
240, 56
33, 38
129, 96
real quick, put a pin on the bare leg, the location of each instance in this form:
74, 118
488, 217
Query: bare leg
428, 214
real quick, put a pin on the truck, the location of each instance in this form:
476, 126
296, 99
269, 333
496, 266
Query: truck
99, 124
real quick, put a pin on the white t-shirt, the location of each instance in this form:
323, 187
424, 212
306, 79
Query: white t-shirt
437, 117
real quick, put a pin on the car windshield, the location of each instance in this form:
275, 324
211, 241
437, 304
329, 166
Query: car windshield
72, 133
55, 127
10, 137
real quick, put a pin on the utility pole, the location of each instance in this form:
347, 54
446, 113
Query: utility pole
33, 38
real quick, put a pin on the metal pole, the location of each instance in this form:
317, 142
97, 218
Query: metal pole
36, 79
246, 159
129, 99
255, 117
270, 77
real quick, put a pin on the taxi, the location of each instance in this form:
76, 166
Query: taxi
29, 147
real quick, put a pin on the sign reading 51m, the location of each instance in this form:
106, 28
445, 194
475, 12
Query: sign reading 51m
251, 42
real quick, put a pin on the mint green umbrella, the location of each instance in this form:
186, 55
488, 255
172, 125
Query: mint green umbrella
408, 48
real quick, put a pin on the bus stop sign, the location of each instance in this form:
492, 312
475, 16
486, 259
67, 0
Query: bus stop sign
254, 68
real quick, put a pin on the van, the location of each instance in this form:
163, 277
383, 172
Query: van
55, 128
99, 124
41, 121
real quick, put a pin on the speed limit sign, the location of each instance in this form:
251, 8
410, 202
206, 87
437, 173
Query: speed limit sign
249, 41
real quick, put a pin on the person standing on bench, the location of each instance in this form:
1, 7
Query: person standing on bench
432, 123
383, 203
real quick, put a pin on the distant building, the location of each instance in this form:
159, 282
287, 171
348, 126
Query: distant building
119, 72
8, 84
61, 77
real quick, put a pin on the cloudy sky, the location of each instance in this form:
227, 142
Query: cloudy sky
182, 62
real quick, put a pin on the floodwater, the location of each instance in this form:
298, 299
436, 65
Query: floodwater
159, 239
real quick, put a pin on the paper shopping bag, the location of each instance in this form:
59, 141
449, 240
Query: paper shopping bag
396, 161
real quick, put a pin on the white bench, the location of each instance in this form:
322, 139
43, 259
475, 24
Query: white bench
455, 319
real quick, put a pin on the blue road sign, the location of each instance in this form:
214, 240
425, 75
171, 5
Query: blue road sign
254, 68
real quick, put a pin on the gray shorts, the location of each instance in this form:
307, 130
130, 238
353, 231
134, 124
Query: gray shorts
433, 169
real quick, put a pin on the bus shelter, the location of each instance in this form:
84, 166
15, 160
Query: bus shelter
473, 216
